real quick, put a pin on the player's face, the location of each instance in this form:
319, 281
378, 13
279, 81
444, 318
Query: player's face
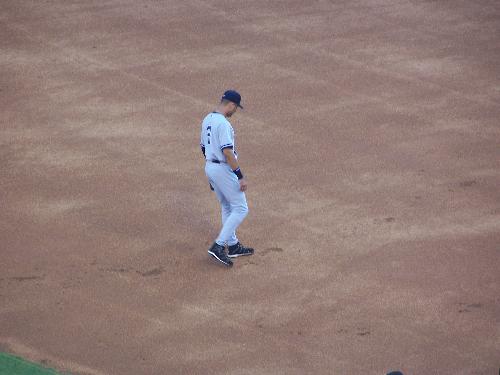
232, 108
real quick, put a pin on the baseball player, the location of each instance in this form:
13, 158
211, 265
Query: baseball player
225, 177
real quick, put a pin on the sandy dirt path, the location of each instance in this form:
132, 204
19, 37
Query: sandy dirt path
371, 142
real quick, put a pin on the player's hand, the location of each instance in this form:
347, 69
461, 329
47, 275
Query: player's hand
243, 184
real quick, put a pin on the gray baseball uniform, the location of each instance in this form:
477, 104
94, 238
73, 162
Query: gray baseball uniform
216, 135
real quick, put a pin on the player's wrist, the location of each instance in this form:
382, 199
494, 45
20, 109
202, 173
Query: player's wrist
238, 173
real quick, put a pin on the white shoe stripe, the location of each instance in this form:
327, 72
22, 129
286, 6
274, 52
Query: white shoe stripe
219, 259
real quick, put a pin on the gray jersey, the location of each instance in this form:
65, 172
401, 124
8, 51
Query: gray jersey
216, 135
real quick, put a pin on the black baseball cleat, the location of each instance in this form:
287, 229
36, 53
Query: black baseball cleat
239, 250
217, 251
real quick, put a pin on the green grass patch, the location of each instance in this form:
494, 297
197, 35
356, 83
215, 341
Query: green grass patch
12, 365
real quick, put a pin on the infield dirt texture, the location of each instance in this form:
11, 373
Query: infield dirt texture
371, 143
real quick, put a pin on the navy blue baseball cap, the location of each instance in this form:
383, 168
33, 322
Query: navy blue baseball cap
232, 96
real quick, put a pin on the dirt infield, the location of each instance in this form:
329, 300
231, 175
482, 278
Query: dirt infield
371, 141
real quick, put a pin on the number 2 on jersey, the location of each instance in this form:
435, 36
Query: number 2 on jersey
208, 133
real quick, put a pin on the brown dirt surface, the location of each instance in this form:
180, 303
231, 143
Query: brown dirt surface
371, 142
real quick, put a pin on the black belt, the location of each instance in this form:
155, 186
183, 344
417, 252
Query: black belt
216, 161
